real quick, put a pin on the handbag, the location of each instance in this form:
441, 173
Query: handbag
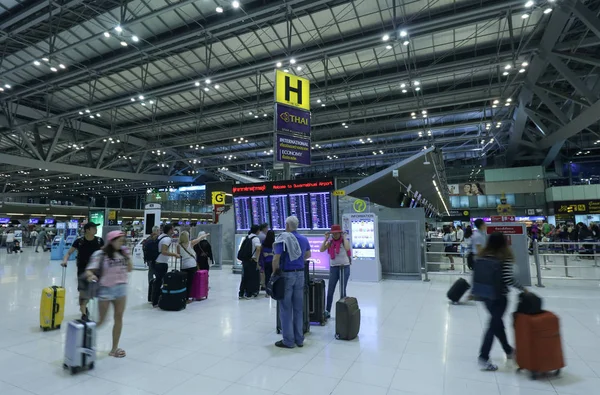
276, 286
90, 288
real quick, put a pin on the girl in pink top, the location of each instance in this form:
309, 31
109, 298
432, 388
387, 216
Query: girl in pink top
110, 267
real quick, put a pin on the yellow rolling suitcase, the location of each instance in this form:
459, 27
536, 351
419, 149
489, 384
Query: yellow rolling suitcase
52, 306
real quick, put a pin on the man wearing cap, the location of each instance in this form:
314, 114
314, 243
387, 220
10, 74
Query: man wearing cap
291, 249
85, 247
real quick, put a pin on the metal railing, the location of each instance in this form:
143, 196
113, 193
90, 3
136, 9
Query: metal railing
574, 260
550, 260
443, 266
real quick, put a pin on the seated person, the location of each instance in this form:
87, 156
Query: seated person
17, 247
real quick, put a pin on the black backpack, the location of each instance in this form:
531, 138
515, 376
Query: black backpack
245, 253
151, 250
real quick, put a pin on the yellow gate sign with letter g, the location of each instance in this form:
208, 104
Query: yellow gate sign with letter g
292, 90
218, 198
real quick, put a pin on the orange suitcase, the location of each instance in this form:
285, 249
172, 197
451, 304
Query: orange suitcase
538, 343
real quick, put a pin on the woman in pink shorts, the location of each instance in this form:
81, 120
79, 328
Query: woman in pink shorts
110, 267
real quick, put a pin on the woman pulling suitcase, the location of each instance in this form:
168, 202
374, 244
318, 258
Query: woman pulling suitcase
493, 275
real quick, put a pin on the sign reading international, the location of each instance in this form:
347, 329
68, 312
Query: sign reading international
292, 90
291, 120
292, 149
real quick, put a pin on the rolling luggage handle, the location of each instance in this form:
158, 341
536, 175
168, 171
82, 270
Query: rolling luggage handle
64, 276
342, 285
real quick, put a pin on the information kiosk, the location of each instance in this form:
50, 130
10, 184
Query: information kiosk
362, 229
57, 248
152, 213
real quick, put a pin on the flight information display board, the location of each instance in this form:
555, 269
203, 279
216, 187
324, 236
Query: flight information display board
300, 207
320, 207
272, 202
243, 216
260, 210
279, 211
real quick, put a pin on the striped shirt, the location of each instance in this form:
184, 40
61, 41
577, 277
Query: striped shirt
508, 278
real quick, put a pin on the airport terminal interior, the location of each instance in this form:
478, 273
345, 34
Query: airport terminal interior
403, 141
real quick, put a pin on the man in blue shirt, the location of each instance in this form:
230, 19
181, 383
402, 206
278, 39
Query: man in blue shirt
290, 251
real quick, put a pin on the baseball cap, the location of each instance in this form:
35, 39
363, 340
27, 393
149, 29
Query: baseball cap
115, 234
89, 225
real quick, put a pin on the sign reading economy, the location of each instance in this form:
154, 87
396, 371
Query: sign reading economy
291, 120
292, 149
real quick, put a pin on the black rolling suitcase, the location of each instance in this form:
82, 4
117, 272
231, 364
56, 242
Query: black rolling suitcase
457, 290
305, 306
173, 295
347, 314
316, 300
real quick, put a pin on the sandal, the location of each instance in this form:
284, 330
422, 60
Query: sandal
118, 353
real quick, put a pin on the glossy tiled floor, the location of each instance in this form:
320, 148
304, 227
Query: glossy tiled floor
412, 342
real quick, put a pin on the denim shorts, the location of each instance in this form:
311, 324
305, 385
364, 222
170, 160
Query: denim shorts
118, 291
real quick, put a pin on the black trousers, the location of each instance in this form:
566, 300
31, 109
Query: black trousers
496, 328
160, 271
268, 272
250, 283
191, 272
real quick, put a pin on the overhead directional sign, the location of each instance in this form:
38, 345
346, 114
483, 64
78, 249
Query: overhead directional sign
218, 197
292, 90
291, 120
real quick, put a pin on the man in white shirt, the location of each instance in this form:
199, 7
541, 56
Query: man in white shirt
10, 241
161, 267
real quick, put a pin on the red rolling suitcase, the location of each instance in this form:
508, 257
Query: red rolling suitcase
538, 343
200, 285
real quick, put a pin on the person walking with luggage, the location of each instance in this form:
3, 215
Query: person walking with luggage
338, 249
189, 266
496, 252
110, 267
203, 251
249, 254
266, 257
291, 249
161, 267
85, 247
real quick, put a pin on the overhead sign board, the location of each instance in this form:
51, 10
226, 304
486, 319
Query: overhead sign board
279, 187
290, 149
577, 207
292, 120
505, 229
292, 90
339, 192
503, 218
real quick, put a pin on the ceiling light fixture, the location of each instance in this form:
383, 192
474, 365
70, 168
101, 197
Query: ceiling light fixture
388, 46
37, 63
141, 97
299, 68
217, 86
208, 81
45, 59
118, 29
235, 4
292, 61
385, 37
62, 66
279, 64
403, 33
548, 10
530, 4
106, 34
54, 69
197, 83
123, 44
405, 43
219, 10
524, 16
521, 71
524, 64
135, 39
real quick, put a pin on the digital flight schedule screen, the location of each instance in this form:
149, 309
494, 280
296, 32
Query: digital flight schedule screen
300, 207
243, 216
260, 210
320, 207
279, 211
